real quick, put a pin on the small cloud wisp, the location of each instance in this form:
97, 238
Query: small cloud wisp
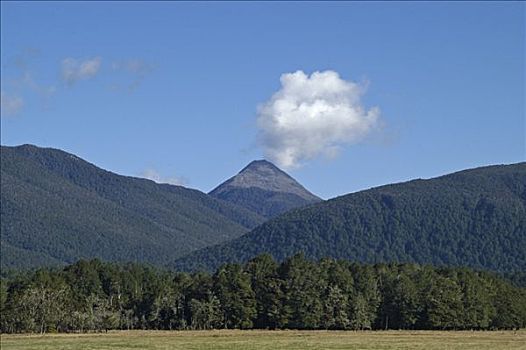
10, 105
153, 175
74, 70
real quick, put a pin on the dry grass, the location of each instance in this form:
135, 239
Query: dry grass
263, 340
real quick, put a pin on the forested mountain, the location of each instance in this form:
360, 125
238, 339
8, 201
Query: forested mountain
57, 208
296, 294
265, 189
473, 218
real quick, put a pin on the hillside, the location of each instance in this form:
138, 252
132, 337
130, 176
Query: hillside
475, 218
265, 189
57, 208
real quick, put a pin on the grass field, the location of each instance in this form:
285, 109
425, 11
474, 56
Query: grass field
260, 340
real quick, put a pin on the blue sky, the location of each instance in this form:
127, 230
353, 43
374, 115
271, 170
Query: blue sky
172, 89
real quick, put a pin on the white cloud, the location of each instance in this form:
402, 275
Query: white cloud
24, 83
137, 68
153, 175
10, 105
27, 81
312, 116
74, 70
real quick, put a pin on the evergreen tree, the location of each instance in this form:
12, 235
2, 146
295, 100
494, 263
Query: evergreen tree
365, 298
238, 303
400, 307
335, 309
444, 303
267, 287
302, 285
509, 308
206, 314
477, 295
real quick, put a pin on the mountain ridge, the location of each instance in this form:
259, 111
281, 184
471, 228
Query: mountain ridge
475, 217
56, 206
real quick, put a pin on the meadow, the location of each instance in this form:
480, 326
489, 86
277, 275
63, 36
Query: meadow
263, 340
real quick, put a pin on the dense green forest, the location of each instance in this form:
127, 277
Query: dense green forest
474, 218
296, 294
57, 208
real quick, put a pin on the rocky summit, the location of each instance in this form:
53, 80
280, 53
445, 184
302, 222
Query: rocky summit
264, 188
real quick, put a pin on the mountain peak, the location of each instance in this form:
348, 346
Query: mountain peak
264, 175
263, 167
265, 189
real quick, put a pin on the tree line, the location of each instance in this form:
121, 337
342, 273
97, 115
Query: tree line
261, 294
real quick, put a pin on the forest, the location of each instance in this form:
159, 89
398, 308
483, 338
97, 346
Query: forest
474, 218
57, 208
298, 293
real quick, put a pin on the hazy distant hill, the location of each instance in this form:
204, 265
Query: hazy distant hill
57, 208
265, 189
474, 217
